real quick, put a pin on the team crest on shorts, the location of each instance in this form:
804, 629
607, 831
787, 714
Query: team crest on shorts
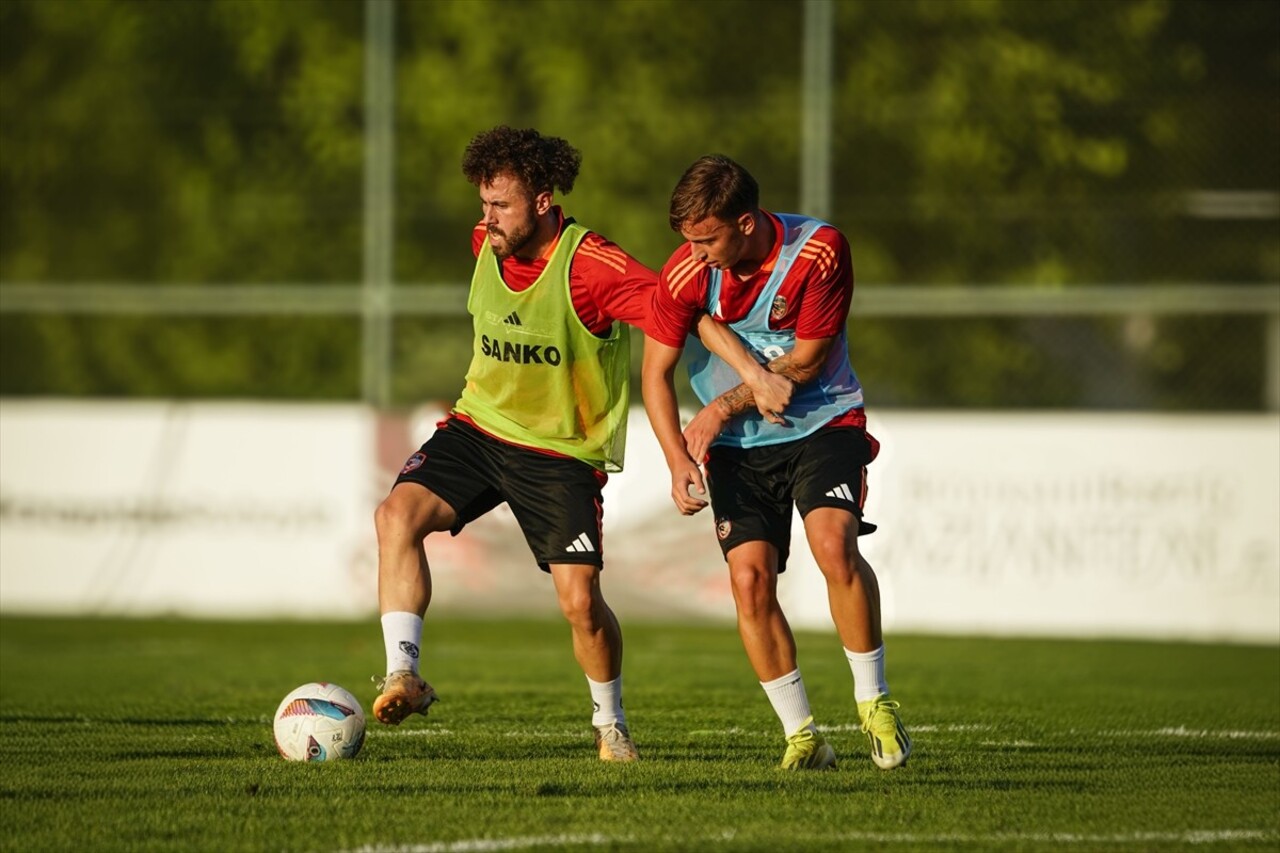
414, 462
723, 526
779, 307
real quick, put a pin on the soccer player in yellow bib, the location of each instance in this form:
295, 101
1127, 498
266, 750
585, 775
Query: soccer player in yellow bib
540, 423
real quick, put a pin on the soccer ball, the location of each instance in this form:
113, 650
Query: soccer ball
319, 722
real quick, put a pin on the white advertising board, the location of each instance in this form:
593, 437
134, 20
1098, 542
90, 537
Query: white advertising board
1076, 524
1042, 524
185, 509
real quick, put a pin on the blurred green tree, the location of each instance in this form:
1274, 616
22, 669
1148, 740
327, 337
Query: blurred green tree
975, 141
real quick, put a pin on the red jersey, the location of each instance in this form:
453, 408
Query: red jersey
814, 299
605, 283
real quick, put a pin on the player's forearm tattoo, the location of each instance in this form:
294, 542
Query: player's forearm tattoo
740, 399
785, 365
736, 400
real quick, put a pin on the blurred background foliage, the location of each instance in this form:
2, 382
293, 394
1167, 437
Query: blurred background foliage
1055, 143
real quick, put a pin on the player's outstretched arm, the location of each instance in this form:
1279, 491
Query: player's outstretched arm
769, 392
657, 385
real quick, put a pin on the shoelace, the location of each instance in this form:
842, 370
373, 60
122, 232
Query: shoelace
617, 741
884, 724
802, 737
381, 683
804, 734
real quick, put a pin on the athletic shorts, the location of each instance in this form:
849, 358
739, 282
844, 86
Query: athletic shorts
754, 489
556, 500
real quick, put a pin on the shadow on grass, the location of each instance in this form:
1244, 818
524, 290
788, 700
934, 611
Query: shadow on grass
85, 720
586, 789
478, 751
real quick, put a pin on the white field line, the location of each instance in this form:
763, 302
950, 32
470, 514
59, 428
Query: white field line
1182, 731
943, 728
485, 845
1120, 839
854, 727
1194, 836
1167, 731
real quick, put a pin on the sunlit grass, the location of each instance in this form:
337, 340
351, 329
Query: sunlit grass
123, 735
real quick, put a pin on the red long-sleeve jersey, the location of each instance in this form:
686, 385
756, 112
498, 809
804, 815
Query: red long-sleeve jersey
605, 283
814, 299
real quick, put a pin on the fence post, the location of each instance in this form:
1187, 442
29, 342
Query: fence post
815, 159
1271, 370
379, 200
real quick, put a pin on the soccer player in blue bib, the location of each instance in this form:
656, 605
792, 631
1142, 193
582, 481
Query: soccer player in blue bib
783, 284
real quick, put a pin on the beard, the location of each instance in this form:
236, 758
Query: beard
517, 239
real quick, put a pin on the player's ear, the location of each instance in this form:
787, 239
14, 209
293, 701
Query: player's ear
542, 202
746, 224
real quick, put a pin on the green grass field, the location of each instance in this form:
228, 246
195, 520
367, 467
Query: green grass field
146, 735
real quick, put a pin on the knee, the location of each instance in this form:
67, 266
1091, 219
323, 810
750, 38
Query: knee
753, 590
837, 558
389, 518
579, 606
832, 548
398, 520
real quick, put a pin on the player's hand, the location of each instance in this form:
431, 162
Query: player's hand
772, 393
686, 485
703, 429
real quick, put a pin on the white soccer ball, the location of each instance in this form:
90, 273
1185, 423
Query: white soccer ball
319, 722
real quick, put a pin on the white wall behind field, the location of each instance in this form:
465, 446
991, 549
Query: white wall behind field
1029, 524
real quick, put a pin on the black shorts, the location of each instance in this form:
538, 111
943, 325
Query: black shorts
753, 489
556, 500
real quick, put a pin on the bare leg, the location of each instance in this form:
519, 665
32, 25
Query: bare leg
597, 639
763, 627
853, 593
402, 520
597, 646
407, 515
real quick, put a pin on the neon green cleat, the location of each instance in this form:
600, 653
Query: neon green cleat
890, 743
614, 743
808, 750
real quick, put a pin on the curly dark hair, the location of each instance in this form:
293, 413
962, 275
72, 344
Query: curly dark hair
542, 163
713, 186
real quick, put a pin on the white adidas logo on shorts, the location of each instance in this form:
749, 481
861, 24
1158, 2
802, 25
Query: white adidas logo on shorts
841, 491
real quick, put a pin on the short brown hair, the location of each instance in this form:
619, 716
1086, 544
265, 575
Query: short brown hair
542, 163
713, 186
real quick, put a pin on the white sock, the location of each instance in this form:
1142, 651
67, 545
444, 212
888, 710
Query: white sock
606, 697
402, 637
790, 702
868, 674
